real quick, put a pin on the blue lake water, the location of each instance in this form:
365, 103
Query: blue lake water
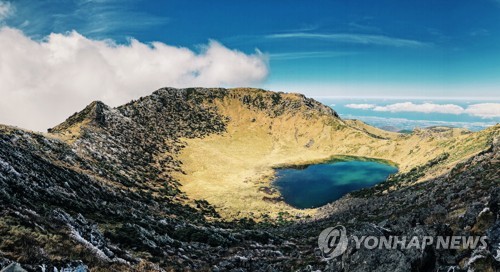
315, 185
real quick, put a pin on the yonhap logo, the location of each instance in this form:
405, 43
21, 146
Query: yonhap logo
333, 241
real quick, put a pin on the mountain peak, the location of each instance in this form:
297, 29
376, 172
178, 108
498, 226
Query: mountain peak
94, 113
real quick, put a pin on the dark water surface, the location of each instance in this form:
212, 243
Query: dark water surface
315, 185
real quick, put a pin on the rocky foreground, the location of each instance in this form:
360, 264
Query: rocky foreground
99, 193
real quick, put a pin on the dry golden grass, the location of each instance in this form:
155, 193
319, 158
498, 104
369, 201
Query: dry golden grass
70, 134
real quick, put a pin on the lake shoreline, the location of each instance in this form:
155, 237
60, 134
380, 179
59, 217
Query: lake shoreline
315, 185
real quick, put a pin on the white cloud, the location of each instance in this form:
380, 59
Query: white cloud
309, 55
6, 9
42, 83
484, 110
361, 106
424, 108
353, 38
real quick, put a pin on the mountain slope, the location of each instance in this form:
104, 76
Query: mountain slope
124, 189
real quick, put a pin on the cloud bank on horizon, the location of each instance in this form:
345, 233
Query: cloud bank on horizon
483, 110
44, 81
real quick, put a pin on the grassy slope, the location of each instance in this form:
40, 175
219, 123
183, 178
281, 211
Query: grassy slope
231, 170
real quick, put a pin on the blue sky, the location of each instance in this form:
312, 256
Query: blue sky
57, 56
388, 47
